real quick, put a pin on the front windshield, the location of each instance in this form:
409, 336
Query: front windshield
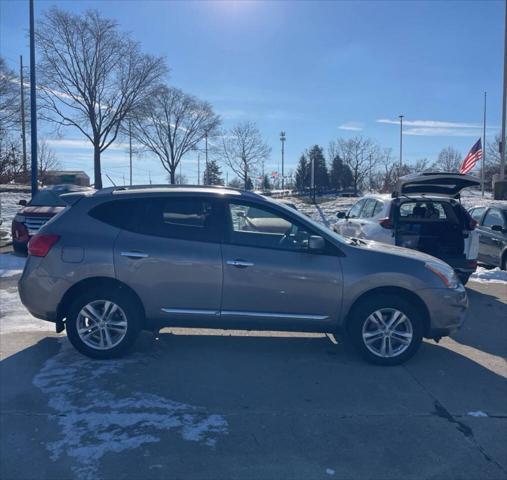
47, 198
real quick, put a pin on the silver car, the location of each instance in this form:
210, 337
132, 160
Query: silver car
120, 260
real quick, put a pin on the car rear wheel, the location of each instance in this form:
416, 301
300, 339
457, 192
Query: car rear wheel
103, 325
386, 329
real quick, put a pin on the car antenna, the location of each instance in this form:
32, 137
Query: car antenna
114, 184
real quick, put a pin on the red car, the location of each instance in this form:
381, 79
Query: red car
39, 210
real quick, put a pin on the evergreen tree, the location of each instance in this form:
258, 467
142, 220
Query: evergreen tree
248, 183
340, 175
265, 183
212, 174
303, 174
321, 178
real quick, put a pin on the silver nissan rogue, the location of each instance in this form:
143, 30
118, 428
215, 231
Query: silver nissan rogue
120, 260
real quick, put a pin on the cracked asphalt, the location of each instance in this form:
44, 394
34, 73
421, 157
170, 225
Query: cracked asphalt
198, 404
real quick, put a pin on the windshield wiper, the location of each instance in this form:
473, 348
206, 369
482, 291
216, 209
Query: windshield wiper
357, 241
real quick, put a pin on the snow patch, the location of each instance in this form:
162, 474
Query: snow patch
11, 265
484, 275
478, 413
14, 317
95, 420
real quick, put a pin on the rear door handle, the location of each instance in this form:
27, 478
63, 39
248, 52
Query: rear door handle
240, 263
134, 255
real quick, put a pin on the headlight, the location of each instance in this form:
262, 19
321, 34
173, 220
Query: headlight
445, 273
19, 218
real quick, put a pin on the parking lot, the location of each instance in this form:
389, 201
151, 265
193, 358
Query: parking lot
204, 404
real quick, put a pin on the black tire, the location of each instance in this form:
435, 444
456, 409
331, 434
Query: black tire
20, 248
128, 306
360, 314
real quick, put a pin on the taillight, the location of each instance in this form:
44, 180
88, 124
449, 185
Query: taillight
386, 223
40, 245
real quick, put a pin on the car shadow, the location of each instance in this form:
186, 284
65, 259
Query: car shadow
485, 327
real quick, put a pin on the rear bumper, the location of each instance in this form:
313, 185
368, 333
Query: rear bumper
447, 308
39, 293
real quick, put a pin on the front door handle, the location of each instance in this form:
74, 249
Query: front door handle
240, 263
134, 255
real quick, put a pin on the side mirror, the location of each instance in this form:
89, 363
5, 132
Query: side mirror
341, 214
497, 228
23, 203
316, 243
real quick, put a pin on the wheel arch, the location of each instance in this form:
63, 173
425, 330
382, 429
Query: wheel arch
105, 283
402, 292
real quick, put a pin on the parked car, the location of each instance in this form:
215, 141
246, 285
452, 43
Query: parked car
131, 258
492, 229
424, 213
35, 213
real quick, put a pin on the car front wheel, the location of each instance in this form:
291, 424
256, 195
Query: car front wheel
103, 325
386, 329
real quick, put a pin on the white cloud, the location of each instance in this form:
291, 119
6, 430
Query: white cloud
351, 126
437, 128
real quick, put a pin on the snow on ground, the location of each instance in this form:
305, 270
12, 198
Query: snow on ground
495, 275
100, 419
11, 264
8, 208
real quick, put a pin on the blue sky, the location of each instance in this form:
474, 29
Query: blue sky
318, 70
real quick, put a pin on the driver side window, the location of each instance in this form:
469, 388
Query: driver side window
258, 227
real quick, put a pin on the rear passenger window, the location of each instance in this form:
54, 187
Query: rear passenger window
493, 217
181, 218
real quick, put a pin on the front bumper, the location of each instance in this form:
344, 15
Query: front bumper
447, 308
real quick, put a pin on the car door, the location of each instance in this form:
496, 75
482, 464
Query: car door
169, 252
491, 242
350, 226
477, 213
364, 221
272, 279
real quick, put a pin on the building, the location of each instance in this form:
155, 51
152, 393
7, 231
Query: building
75, 177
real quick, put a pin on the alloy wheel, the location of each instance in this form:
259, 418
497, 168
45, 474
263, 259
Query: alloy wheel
387, 332
101, 324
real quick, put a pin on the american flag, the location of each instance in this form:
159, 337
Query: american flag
474, 155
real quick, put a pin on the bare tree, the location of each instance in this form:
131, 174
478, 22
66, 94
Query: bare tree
243, 149
9, 99
172, 124
360, 154
449, 160
46, 158
92, 76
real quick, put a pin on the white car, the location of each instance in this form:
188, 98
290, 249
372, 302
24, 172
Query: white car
424, 213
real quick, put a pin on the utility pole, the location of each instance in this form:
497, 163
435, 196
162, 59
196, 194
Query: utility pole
313, 179
23, 126
130, 151
206, 148
483, 146
33, 104
198, 168
282, 139
401, 142
504, 105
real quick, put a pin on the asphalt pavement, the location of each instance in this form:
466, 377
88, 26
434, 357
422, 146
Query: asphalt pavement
199, 404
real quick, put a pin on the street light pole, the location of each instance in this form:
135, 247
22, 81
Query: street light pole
282, 139
504, 105
33, 104
23, 125
483, 146
130, 151
401, 142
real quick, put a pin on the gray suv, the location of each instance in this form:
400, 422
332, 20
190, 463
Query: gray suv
120, 260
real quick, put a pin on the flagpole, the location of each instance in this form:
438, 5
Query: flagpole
483, 146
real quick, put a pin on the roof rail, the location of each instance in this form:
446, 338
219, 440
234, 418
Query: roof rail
169, 186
